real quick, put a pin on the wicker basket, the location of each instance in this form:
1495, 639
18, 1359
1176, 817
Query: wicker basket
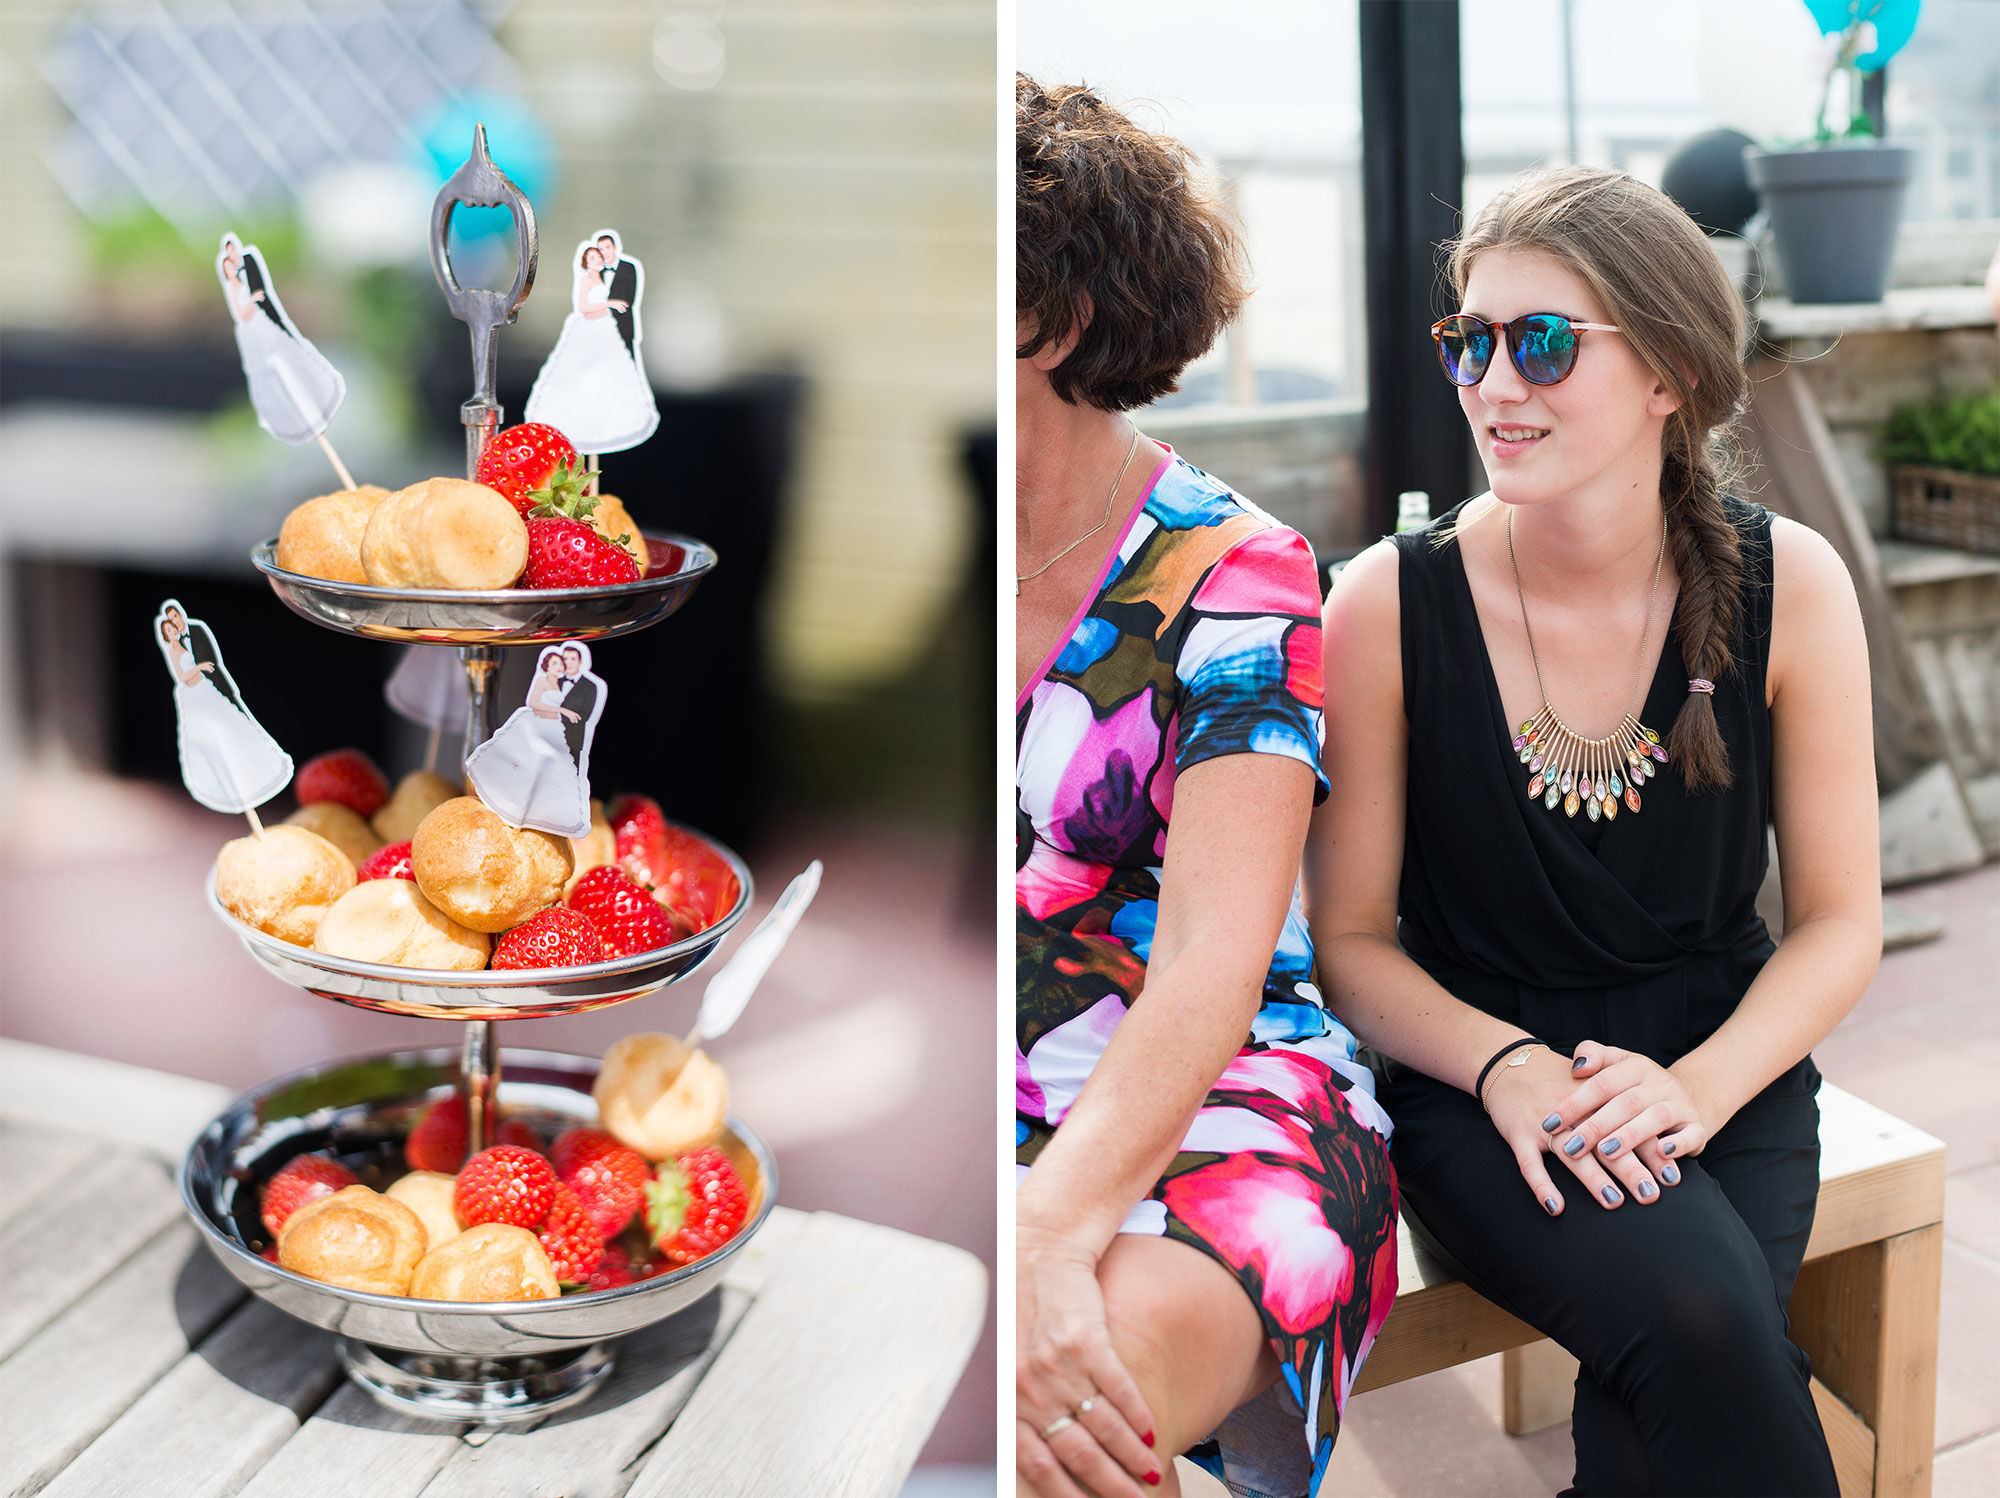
1947, 508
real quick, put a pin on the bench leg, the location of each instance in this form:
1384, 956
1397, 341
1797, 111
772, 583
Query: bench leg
1868, 1318
1537, 1387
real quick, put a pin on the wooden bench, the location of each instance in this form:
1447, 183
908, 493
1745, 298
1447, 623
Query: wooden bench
1865, 1308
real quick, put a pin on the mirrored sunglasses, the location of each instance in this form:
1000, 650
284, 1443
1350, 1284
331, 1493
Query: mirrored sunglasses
1541, 344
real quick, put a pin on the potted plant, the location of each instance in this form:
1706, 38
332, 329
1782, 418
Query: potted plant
1944, 470
1836, 201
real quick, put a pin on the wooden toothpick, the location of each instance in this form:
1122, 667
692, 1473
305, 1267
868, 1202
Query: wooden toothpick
346, 478
256, 827
431, 748
590, 467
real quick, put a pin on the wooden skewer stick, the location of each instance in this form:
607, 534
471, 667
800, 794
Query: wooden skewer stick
590, 467
256, 827
346, 478
431, 749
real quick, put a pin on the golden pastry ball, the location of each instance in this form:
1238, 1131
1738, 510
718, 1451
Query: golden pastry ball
282, 881
613, 520
428, 1194
659, 1096
483, 873
356, 1239
390, 921
494, 1261
445, 533
341, 825
415, 797
322, 537
595, 848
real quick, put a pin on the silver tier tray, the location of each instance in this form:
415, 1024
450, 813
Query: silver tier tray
501, 616
360, 1108
518, 993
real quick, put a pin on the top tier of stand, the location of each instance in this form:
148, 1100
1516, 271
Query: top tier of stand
500, 616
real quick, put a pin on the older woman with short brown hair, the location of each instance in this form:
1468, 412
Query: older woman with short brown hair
1206, 1225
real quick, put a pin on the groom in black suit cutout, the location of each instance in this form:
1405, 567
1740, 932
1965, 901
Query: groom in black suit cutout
624, 287
579, 699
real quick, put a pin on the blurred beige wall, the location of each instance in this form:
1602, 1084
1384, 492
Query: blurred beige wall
831, 196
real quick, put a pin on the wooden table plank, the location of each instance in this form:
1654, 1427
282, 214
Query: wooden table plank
836, 1375
354, 1448
34, 1160
85, 1368
80, 1232
151, 1110
205, 1428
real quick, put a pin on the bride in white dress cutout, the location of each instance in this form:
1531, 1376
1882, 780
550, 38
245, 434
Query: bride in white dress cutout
535, 770
292, 387
593, 388
228, 761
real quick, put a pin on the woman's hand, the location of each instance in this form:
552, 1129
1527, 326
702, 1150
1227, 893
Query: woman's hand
1631, 1109
1063, 1356
1525, 1105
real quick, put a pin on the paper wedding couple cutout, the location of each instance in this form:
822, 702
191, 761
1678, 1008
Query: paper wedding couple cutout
535, 770
594, 389
228, 762
293, 388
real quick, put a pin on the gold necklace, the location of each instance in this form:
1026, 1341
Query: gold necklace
1109, 499
1565, 766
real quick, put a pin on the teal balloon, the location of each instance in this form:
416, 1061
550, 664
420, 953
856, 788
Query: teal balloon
1895, 23
517, 141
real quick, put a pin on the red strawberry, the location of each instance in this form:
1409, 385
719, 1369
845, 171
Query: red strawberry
565, 553
558, 937
505, 1184
609, 1179
390, 862
439, 1139
627, 918
522, 459
613, 1270
571, 1239
270, 1252
684, 873
306, 1178
695, 1204
344, 775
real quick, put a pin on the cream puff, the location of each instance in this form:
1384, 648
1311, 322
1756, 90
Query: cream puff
390, 921
493, 1261
445, 533
322, 537
416, 796
660, 1096
282, 881
483, 873
356, 1239
340, 825
428, 1194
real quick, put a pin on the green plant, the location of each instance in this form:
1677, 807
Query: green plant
1961, 434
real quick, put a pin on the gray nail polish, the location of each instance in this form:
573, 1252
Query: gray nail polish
1574, 1146
1610, 1146
1667, 1148
1577, 1064
1672, 1172
1610, 1195
1550, 1203
1553, 1122
1647, 1190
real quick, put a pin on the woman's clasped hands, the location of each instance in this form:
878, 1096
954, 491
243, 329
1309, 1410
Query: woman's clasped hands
1081, 1426
1617, 1119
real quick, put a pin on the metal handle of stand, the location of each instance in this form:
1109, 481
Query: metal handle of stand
478, 183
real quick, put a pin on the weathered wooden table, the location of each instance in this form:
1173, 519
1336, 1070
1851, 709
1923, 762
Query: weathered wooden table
132, 1364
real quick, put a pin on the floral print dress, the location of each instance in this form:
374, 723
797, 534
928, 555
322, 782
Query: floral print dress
1202, 639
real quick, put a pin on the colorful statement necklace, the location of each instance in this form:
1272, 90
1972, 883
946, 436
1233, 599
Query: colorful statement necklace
1563, 765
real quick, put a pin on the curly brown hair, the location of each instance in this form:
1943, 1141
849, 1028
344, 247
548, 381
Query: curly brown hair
1113, 234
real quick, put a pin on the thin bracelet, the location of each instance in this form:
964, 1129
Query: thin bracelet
1479, 1087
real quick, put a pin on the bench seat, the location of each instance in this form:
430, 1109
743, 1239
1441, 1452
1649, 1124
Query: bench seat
1865, 1308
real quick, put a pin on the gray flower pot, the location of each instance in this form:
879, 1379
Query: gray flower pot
1834, 213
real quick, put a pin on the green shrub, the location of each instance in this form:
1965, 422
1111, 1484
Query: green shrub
1962, 434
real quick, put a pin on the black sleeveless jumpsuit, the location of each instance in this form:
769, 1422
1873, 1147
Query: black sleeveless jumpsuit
1642, 933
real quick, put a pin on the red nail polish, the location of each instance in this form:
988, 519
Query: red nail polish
1153, 1479
1147, 1438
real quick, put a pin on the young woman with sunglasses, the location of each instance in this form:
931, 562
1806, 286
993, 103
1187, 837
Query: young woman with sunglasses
1560, 721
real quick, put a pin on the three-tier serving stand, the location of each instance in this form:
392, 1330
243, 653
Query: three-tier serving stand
482, 1363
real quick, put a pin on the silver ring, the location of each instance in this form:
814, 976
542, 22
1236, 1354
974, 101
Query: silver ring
1086, 1407
1060, 1423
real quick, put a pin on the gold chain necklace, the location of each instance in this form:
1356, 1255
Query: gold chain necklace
1109, 500
1563, 765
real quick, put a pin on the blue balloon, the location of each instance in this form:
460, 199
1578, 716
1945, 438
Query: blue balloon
1895, 22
